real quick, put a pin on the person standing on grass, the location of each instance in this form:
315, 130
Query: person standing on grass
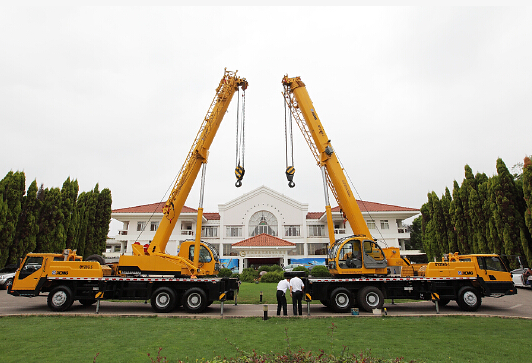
296, 291
282, 286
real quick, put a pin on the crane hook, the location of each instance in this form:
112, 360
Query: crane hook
290, 171
239, 173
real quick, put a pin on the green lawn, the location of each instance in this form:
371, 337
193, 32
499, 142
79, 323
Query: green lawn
427, 339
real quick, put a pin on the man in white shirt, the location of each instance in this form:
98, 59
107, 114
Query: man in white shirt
296, 291
282, 286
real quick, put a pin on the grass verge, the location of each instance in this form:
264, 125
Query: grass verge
426, 339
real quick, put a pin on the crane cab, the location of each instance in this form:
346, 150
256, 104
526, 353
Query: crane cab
356, 256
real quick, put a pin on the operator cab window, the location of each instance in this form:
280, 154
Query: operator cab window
204, 256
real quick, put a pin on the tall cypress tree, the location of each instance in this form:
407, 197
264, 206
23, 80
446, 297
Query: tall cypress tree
459, 221
27, 228
101, 222
69, 196
513, 237
527, 196
446, 201
12, 190
440, 228
427, 229
52, 236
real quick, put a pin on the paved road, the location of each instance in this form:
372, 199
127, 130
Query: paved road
519, 305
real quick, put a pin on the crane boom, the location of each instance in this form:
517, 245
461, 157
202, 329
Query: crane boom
196, 157
300, 104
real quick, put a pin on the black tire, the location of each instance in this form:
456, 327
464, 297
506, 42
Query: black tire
370, 298
163, 300
194, 300
341, 300
9, 282
60, 298
87, 302
469, 299
96, 258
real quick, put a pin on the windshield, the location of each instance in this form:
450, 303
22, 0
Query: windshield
493, 263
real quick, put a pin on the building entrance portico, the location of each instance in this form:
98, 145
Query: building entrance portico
263, 249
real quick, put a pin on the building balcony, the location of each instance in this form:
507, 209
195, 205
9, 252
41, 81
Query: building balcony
122, 233
187, 232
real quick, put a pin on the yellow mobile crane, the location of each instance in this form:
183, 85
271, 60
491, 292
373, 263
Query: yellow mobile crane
67, 278
357, 263
154, 259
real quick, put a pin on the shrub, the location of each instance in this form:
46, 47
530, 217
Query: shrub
225, 272
235, 275
301, 268
249, 275
273, 276
270, 268
320, 271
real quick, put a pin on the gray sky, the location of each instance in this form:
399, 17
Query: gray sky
408, 96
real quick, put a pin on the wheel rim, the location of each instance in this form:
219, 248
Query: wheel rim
470, 298
59, 298
372, 299
194, 300
342, 300
162, 300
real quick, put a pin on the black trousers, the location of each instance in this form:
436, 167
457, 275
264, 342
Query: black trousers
281, 302
297, 296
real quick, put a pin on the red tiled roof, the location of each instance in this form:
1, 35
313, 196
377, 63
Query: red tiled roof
367, 207
263, 240
151, 208
212, 216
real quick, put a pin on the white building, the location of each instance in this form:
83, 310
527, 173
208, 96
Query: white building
260, 227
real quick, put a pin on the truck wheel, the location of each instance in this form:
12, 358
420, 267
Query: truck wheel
96, 258
194, 300
468, 299
60, 298
163, 300
370, 298
341, 300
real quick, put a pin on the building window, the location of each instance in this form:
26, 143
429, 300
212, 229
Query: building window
299, 250
233, 231
154, 226
209, 231
228, 250
384, 224
292, 231
317, 248
371, 224
316, 231
141, 226
263, 222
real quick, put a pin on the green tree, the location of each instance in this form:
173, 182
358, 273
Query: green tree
446, 201
52, 236
459, 221
416, 241
69, 197
513, 235
27, 227
12, 190
527, 195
